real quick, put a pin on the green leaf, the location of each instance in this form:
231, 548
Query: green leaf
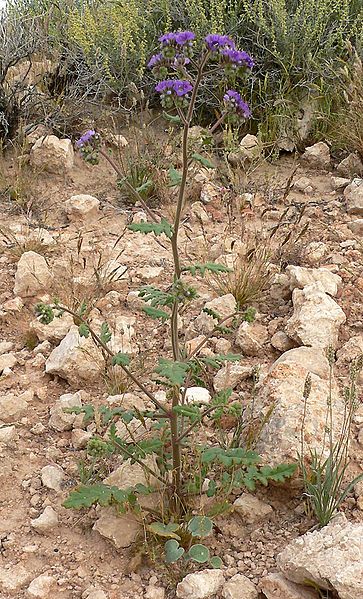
204, 161
145, 187
173, 372
83, 330
207, 267
223, 507
87, 495
156, 313
121, 359
82, 309
156, 297
173, 551
192, 412
87, 410
105, 334
163, 227
216, 562
199, 553
279, 473
172, 118
174, 177
212, 488
45, 313
164, 530
200, 526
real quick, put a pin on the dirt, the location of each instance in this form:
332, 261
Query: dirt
73, 553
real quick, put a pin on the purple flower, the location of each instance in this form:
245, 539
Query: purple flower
239, 58
184, 37
181, 87
178, 87
215, 42
86, 137
167, 39
155, 60
180, 61
234, 103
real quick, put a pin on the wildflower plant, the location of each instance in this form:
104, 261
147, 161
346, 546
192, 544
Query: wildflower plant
165, 452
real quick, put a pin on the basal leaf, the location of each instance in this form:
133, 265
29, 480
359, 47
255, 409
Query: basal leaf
216, 562
145, 187
172, 118
200, 526
165, 530
163, 227
201, 268
204, 161
173, 551
199, 553
87, 495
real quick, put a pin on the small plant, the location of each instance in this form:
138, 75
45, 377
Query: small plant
171, 427
324, 472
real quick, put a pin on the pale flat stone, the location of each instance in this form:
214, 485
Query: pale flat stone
32, 275
200, 585
251, 508
52, 154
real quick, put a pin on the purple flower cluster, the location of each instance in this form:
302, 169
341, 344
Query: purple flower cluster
177, 87
237, 58
85, 138
178, 38
216, 42
235, 104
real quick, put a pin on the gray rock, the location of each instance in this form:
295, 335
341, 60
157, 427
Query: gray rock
82, 208
356, 226
14, 577
62, 421
238, 587
121, 530
354, 197
7, 361
42, 587
52, 154
316, 319
12, 408
251, 508
200, 585
52, 477
300, 277
351, 166
231, 375
276, 586
332, 558
46, 522
32, 275
7, 434
311, 359
55, 331
281, 341
251, 337
317, 155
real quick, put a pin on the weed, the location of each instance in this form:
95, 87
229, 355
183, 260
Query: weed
325, 477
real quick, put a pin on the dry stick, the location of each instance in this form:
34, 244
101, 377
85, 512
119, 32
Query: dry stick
99, 342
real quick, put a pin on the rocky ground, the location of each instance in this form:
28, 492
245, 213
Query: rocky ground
74, 243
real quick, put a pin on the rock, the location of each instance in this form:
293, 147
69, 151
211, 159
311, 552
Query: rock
356, 226
52, 477
59, 419
5, 347
46, 522
281, 341
199, 212
332, 558
231, 375
13, 305
316, 319
250, 148
121, 530
314, 252
280, 402
209, 192
80, 438
311, 359
129, 475
75, 359
42, 587
304, 185
200, 585
127, 400
275, 586
12, 408
149, 274
251, 508
300, 277
223, 305
251, 337
94, 593
32, 275
14, 577
52, 154
339, 183
7, 434
351, 166
351, 350
239, 587
82, 208
317, 155
354, 197
55, 331
7, 361
197, 395
155, 593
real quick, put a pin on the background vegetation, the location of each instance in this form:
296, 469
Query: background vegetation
298, 47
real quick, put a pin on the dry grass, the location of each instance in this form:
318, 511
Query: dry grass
26, 240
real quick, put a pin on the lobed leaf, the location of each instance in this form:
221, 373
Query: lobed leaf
163, 227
